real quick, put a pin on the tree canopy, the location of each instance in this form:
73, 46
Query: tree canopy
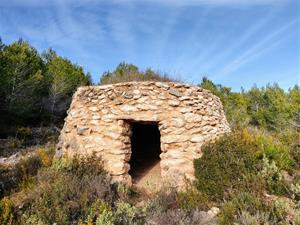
267, 107
35, 87
128, 72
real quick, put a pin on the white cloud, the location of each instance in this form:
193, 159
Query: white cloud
211, 60
258, 49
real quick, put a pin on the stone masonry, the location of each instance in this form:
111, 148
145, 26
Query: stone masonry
99, 121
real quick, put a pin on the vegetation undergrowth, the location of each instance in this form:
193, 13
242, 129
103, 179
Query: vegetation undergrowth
241, 170
251, 174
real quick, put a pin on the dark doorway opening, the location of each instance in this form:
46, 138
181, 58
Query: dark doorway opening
145, 151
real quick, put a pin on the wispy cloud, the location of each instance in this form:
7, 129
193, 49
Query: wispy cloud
187, 36
120, 28
256, 50
245, 37
62, 26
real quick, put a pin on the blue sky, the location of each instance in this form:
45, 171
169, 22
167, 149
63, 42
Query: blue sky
233, 42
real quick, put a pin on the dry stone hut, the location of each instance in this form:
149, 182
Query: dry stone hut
137, 125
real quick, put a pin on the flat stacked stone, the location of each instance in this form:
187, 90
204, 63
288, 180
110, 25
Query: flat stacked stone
99, 120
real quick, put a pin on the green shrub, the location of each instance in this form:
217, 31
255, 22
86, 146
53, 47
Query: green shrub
192, 199
6, 214
246, 218
70, 192
126, 193
163, 200
13, 143
291, 139
128, 214
246, 209
31, 219
227, 214
243, 161
273, 176
19, 176
100, 213
24, 134
46, 156
244, 202
170, 217
228, 166
295, 189
106, 217
284, 211
10, 146
274, 150
181, 217
128, 72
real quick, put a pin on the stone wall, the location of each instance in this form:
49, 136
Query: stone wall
99, 120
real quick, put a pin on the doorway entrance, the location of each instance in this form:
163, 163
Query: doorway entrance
145, 151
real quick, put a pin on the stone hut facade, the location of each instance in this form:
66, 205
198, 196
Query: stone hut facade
100, 121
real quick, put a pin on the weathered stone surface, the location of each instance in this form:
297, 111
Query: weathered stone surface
128, 108
128, 95
142, 100
197, 138
99, 121
183, 98
162, 85
177, 122
193, 118
174, 103
186, 110
174, 138
147, 107
96, 117
81, 130
117, 168
94, 109
174, 92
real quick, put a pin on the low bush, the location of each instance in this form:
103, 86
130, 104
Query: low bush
10, 146
192, 199
129, 72
295, 190
6, 213
245, 218
128, 194
291, 139
25, 139
169, 217
247, 209
25, 134
244, 206
273, 177
273, 149
284, 211
228, 166
165, 199
67, 192
249, 160
235, 173
22, 174
128, 214
170, 207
